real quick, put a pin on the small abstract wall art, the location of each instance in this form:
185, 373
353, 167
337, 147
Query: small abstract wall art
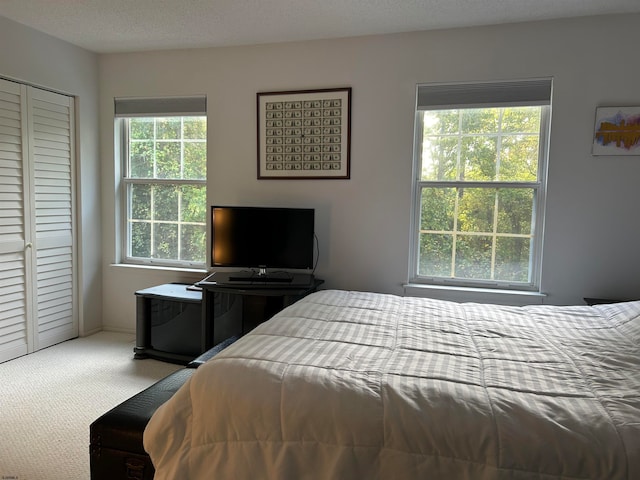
617, 131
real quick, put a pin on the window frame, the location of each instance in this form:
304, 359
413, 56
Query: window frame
539, 188
131, 108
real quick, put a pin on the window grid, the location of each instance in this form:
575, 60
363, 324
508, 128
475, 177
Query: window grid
155, 182
494, 234
459, 184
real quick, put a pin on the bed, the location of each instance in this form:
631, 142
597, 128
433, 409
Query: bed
357, 385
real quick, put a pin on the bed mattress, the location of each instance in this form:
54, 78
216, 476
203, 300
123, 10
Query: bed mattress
362, 385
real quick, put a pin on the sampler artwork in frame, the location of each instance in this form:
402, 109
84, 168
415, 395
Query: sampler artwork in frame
617, 131
304, 134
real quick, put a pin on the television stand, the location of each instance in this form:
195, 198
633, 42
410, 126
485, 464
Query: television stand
175, 324
252, 305
169, 323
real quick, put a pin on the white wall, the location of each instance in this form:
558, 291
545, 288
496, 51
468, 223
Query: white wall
34, 58
592, 226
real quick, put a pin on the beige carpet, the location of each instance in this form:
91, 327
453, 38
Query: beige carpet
49, 398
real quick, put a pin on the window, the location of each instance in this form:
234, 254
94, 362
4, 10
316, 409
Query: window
480, 163
164, 152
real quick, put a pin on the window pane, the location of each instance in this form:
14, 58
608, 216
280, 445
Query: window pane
440, 158
165, 239
195, 160
435, 255
440, 145
521, 120
195, 128
515, 210
519, 158
476, 209
193, 204
192, 242
168, 163
441, 122
165, 203
141, 159
437, 209
169, 128
479, 120
141, 239
513, 259
141, 128
140, 207
473, 257
479, 155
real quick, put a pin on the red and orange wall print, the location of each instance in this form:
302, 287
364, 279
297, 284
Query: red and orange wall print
617, 131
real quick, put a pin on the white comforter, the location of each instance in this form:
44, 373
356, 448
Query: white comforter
348, 385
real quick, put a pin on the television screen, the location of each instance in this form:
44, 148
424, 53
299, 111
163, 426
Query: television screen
262, 237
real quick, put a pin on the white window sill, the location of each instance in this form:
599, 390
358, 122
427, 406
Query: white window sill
165, 268
478, 295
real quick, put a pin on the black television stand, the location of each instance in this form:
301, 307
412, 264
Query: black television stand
230, 310
176, 324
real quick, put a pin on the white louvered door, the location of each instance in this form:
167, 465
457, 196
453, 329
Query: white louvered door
51, 150
16, 334
37, 281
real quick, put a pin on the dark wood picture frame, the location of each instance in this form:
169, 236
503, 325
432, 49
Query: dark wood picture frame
304, 134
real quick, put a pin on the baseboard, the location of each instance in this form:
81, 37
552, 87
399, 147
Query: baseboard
131, 331
90, 332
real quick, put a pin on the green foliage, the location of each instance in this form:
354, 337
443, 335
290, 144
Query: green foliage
512, 259
141, 239
519, 158
473, 256
475, 232
195, 128
438, 209
194, 203
165, 203
165, 240
168, 161
193, 240
141, 128
168, 128
476, 208
435, 255
141, 159
140, 198
515, 210
195, 160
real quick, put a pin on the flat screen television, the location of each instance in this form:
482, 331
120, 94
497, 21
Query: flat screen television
262, 238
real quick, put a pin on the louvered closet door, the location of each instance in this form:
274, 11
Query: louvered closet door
37, 279
51, 148
16, 331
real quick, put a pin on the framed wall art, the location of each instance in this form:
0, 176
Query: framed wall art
304, 134
617, 131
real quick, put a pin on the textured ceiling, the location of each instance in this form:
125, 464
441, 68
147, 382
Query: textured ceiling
132, 25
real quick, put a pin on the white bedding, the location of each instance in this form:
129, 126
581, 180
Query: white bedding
351, 385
